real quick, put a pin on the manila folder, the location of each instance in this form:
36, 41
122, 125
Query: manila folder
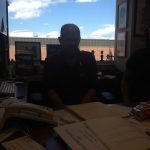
111, 133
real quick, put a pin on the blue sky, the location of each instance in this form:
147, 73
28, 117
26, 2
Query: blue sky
44, 18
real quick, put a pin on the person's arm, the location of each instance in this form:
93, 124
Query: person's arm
92, 79
55, 99
50, 84
89, 96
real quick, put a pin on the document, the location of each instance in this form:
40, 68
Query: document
80, 137
23, 143
111, 133
120, 109
63, 117
92, 110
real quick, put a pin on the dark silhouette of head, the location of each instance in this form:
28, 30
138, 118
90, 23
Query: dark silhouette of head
70, 38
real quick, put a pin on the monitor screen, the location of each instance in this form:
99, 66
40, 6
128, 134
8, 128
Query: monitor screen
24, 64
29, 48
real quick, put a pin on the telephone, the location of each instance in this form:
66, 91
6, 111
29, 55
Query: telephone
14, 108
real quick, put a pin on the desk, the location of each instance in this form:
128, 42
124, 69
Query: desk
106, 128
46, 136
21, 124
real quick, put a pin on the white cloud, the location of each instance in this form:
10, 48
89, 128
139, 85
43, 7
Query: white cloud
27, 33
84, 36
46, 24
21, 33
21, 23
106, 32
85, 1
81, 28
52, 34
25, 9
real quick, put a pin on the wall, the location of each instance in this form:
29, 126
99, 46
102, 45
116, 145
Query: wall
120, 61
135, 23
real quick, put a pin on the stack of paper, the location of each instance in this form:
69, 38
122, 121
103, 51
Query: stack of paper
102, 128
93, 110
110, 133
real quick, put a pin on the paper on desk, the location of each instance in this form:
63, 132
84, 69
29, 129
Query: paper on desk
93, 110
63, 117
120, 134
121, 109
111, 133
22, 143
79, 137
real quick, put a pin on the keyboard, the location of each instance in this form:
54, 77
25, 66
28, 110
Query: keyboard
7, 88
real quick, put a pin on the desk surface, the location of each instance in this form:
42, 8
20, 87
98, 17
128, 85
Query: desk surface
46, 136
105, 127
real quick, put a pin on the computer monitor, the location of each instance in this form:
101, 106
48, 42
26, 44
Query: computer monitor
24, 65
29, 48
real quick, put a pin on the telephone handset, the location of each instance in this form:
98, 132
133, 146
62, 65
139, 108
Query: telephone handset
17, 109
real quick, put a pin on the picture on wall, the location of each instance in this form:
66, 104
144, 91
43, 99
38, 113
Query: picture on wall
32, 48
121, 44
122, 18
139, 27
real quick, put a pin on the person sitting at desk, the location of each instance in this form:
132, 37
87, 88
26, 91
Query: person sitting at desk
136, 82
70, 74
